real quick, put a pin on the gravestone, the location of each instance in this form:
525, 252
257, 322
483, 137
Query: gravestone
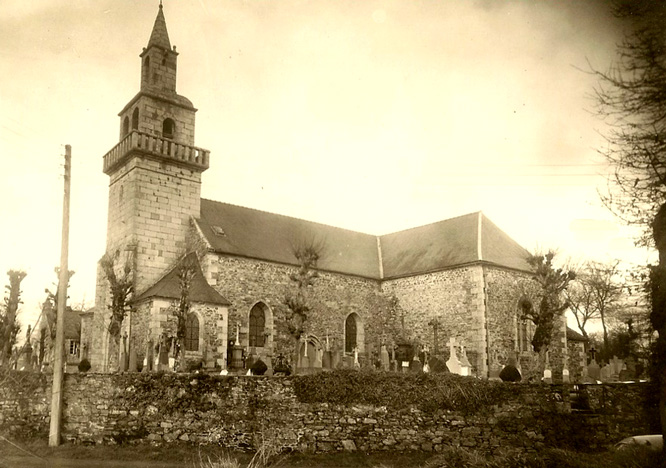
465, 366
148, 362
415, 365
453, 364
122, 364
384, 358
326, 360
163, 356
625, 375
616, 367
630, 369
335, 359
494, 367
317, 358
585, 377
236, 358
133, 366
565, 375
547, 372
606, 373
593, 370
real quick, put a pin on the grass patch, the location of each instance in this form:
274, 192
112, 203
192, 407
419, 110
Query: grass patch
452, 457
632, 457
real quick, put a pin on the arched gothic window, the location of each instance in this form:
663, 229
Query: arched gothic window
168, 128
125, 125
351, 332
192, 333
135, 119
257, 325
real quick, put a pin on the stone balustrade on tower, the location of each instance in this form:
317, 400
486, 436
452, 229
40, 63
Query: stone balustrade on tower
156, 147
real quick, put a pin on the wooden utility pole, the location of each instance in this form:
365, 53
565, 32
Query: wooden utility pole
58, 366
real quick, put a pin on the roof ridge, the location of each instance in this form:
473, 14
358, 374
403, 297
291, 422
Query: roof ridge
346, 229
289, 217
431, 224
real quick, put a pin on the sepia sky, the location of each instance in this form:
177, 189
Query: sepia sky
374, 116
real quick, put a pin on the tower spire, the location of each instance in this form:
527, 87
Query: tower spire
160, 37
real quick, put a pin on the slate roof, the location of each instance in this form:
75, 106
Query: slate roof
573, 335
168, 287
72, 323
251, 233
159, 36
267, 236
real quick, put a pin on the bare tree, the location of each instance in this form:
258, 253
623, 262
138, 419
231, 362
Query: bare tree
9, 326
631, 98
121, 290
603, 282
182, 309
552, 283
581, 303
307, 253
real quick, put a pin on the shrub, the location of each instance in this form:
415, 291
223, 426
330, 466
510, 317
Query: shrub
171, 393
437, 365
84, 365
510, 374
258, 367
429, 392
194, 365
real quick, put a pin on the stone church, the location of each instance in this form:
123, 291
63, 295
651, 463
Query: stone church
459, 278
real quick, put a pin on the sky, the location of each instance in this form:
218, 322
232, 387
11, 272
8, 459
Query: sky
374, 116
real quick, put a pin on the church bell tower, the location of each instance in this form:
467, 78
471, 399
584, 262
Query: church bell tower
155, 169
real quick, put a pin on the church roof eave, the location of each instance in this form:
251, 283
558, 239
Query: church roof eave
176, 99
168, 287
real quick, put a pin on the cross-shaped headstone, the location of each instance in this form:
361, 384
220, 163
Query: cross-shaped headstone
453, 363
452, 344
592, 353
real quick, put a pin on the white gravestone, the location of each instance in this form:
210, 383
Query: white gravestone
453, 364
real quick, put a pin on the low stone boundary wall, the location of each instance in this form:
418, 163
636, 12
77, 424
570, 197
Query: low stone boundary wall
239, 412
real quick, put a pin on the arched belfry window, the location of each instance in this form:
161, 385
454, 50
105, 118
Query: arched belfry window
351, 332
168, 128
125, 125
192, 333
135, 119
257, 325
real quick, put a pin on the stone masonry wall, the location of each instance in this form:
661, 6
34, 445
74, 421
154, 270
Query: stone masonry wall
232, 411
455, 298
244, 282
504, 289
150, 207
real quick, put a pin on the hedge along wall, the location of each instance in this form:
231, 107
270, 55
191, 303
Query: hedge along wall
369, 411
